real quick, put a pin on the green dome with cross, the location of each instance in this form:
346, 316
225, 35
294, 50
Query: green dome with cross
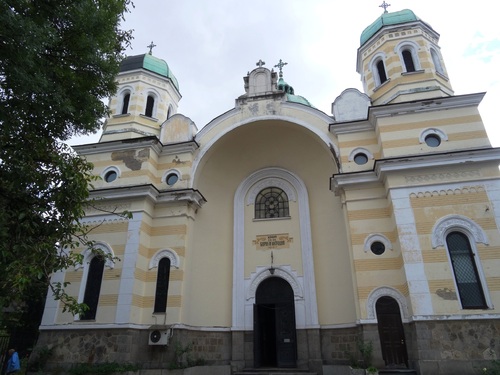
148, 62
386, 19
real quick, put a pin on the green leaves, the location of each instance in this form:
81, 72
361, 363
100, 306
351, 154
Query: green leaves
58, 61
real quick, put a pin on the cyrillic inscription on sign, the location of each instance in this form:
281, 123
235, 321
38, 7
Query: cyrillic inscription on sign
273, 241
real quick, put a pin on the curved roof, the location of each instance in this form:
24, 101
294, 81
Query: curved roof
290, 94
151, 63
298, 99
394, 18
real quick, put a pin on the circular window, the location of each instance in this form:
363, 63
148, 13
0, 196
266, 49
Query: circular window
433, 140
360, 159
171, 179
377, 248
110, 176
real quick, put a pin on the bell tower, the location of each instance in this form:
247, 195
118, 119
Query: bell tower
399, 60
147, 95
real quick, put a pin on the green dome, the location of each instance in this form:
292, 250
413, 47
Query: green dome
151, 63
298, 99
290, 94
395, 18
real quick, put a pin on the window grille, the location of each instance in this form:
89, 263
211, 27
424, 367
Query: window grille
465, 270
271, 202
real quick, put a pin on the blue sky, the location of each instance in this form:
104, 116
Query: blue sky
211, 45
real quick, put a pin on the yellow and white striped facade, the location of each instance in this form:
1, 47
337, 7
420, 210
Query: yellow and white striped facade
408, 195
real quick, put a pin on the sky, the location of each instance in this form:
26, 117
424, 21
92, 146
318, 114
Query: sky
211, 45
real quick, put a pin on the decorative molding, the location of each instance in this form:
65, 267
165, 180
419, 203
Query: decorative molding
150, 192
233, 115
262, 273
443, 176
306, 308
371, 238
165, 253
441, 134
452, 222
443, 192
386, 291
88, 254
360, 150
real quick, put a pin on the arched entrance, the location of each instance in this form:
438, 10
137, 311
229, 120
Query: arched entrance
275, 343
391, 332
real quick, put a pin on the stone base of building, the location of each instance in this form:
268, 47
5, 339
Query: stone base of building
434, 347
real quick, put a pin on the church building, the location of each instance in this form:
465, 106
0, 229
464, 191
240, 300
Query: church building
279, 236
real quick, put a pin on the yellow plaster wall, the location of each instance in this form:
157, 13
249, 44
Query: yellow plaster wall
208, 292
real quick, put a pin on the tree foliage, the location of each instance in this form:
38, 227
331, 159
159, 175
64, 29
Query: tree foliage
58, 61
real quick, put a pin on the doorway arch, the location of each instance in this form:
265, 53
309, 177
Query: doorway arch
275, 338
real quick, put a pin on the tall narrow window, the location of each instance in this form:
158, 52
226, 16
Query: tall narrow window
437, 62
465, 270
162, 285
408, 60
93, 287
271, 202
381, 72
126, 100
150, 106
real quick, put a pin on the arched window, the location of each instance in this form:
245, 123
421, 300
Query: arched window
126, 101
93, 287
437, 61
162, 285
271, 202
408, 60
465, 270
150, 104
382, 76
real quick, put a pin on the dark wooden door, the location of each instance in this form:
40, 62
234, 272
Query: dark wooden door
391, 332
275, 343
286, 346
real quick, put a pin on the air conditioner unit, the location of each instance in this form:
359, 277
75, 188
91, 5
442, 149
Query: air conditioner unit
159, 336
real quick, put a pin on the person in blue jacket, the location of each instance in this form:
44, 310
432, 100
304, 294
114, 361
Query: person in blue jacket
13, 364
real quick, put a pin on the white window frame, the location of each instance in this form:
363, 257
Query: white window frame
413, 47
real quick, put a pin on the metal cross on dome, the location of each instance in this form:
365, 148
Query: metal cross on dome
151, 46
260, 63
385, 6
280, 66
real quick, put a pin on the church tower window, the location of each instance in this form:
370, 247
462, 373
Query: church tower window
126, 101
270, 203
381, 75
93, 287
162, 279
437, 61
150, 104
408, 60
465, 270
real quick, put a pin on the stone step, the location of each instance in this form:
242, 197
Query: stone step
274, 371
397, 372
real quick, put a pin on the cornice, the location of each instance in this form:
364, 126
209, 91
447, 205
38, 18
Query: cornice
384, 167
425, 105
351, 127
397, 109
134, 143
150, 192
